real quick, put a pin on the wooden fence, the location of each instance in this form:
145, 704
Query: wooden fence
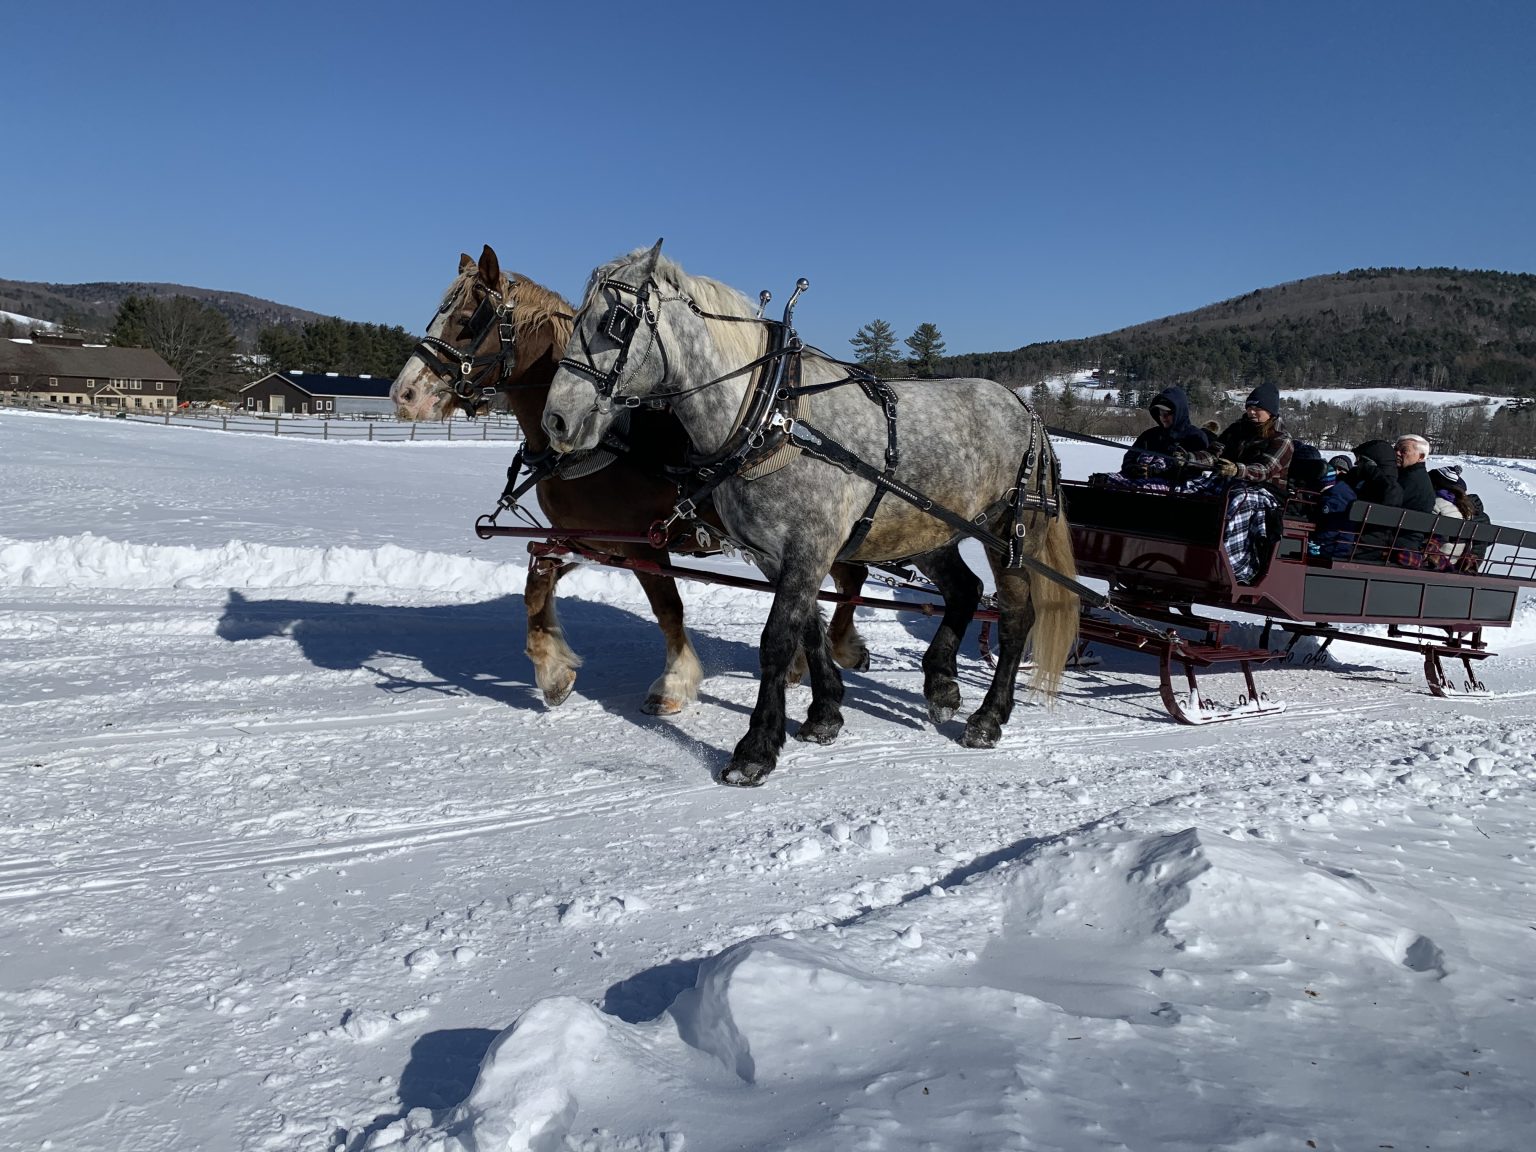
385, 429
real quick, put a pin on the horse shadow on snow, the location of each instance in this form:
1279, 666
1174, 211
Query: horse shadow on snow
476, 649
471, 649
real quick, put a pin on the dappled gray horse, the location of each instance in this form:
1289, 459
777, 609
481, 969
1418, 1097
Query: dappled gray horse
648, 333
495, 331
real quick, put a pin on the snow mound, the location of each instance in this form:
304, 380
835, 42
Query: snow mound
90, 561
1102, 960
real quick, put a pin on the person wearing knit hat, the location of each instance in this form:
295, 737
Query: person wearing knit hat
1249, 465
1447, 476
1266, 397
1255, 448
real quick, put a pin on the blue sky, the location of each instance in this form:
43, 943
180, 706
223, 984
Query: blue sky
1010, 172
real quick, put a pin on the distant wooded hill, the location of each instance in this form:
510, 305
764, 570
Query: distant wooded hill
93, 307
1441, 328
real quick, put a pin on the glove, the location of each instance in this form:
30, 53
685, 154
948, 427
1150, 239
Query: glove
1138, 470
1226, 468
1180, 457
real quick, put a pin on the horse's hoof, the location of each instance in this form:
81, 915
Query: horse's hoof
822, 732
742, 774
556, 695
943, 702
662, 705
855, 661
981, 733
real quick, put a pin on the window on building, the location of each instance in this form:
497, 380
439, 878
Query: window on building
159, 385
90, 383
15, 381
53, 381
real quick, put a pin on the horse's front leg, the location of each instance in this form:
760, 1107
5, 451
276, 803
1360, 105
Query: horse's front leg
757, 753
848, 647
678, 684
554, 664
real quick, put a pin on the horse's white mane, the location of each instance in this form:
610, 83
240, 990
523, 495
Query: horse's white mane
737, 343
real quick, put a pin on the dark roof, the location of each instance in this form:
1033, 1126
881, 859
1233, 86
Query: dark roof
92, 361
333, 384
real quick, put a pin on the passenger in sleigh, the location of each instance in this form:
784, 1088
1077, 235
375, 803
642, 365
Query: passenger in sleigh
1412, 453
1333, 536
1249, 465
1159, 458
1374, 479
1453, 501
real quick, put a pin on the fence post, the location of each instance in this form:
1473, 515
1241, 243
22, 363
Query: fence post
276, 426
370, 431
485, 429
223, 423
325, 429
450, 427
413, 431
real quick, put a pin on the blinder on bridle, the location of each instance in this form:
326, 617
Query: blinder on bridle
620, 324
471, 375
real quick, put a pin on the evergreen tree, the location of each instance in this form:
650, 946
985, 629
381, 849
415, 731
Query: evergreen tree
874, 347
927, 346
282, 347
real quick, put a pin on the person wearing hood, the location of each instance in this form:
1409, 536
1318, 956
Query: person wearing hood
1163, 450
1251, 463
1374, 479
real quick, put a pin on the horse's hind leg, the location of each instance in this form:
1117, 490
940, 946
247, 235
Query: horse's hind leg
824, 718
848, 647
554, 664
1016, 616
678, 684
962, 593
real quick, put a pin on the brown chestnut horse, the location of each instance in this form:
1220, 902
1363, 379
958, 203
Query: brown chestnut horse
464, 343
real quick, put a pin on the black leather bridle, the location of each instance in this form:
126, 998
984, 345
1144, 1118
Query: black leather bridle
470, 374
621, 325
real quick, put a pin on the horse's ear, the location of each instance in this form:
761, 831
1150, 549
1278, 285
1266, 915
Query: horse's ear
652, 257
490, 267
466, 262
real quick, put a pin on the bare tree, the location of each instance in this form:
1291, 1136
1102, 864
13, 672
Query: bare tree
192, 338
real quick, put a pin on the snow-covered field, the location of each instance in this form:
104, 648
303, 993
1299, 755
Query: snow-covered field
294, 857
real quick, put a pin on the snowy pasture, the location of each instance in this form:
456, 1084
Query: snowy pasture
294, 857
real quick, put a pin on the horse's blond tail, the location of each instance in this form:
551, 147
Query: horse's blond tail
1057, 610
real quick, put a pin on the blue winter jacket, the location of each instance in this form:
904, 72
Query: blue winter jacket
1333, 536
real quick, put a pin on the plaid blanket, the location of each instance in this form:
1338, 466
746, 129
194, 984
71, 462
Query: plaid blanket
1246, 538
